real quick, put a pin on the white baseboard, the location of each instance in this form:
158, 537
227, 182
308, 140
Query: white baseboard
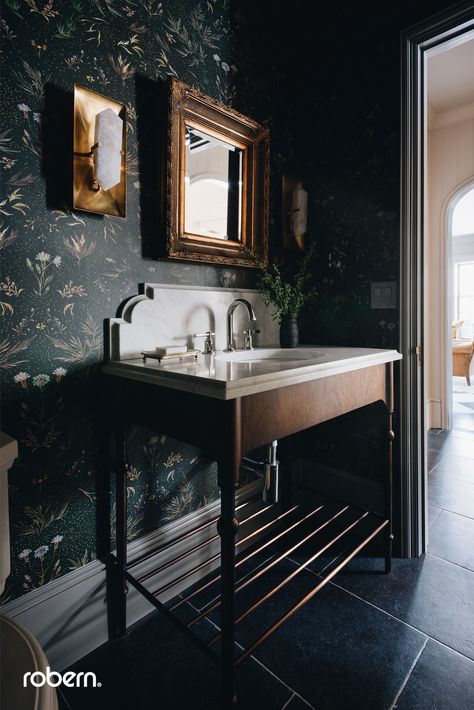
435, 416
68, 616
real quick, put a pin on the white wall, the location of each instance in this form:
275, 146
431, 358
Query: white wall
450, 165
462, 251
463, 248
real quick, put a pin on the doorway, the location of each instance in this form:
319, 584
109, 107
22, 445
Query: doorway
450, 459
435, 34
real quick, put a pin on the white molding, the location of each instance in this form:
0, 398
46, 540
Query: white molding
442, 119
450, 44
68, 616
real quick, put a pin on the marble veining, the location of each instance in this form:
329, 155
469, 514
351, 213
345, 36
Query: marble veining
163, 314
227, 379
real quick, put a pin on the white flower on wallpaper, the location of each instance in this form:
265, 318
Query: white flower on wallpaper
67, 271
59, 373
42, 271
41, 381
22, 378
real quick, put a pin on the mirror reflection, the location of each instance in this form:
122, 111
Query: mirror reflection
213, 186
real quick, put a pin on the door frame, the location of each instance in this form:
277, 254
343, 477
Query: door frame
415, 42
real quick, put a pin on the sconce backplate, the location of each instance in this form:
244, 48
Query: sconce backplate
87, 104
290, 242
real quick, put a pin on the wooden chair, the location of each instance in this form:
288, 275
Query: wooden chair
462, 355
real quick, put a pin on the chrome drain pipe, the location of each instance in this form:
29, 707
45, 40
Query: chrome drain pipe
270, 474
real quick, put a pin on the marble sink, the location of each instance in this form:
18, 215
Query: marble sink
244, 372
271, 354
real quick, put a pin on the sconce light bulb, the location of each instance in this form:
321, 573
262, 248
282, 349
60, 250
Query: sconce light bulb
299, 205
108, 153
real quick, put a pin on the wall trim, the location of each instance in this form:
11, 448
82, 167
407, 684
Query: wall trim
68, 616
415, 42
435, 420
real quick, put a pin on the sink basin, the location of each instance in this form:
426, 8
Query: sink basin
271, 355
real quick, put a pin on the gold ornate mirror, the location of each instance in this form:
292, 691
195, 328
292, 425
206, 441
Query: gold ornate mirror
217, 181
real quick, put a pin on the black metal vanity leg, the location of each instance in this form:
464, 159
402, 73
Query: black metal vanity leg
227, 528
389, 475
121, 534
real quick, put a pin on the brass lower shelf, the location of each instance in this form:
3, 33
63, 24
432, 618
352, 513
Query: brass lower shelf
310, 532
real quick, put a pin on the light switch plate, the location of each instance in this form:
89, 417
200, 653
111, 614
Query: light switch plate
383, 294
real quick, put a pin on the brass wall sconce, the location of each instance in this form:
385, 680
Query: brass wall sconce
295, 213
99, 153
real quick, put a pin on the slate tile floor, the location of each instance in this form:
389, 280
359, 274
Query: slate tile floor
368, 641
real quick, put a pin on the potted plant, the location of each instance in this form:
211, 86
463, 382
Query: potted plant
287, 290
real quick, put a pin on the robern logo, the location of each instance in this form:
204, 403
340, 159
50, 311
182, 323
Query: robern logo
54, 679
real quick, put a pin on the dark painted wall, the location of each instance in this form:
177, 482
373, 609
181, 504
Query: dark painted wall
327, 76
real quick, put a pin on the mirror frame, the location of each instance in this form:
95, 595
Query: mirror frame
187, 106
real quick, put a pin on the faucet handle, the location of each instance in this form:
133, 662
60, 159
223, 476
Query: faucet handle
249, 333
208, 346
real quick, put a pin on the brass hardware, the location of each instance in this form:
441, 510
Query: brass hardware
418, 354
87, 193
153, 355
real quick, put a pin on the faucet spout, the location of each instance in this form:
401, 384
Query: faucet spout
230, 320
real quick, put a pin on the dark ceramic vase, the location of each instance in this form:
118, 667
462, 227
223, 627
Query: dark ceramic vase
289, 331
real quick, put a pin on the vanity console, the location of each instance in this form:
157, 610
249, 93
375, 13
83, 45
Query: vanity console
228, 404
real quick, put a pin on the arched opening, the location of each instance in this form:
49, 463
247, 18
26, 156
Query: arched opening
461, 308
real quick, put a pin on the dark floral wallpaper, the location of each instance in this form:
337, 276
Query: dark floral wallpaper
63, 272
326, 79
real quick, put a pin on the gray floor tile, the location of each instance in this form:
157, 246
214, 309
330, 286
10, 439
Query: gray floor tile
458, 467
433, 513
297, 703
336, 651
450, 494
435, 457
460, 445
451, 537
156, 666
441, 680
429, 593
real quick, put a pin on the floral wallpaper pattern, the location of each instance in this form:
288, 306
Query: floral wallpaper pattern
326, 81
63, 272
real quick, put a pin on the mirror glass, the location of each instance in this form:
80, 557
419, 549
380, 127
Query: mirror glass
213, 186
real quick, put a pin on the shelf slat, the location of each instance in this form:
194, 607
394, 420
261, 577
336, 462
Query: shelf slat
195, 548
269, 566
215, 557
248, 652
183, 536
334, 528
248, 557
293, 574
